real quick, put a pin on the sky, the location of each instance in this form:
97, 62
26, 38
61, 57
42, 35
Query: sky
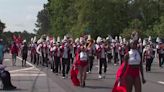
20, 15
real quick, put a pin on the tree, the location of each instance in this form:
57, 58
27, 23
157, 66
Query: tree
134, 25
100, 17
158, 29
43, 22
2, 27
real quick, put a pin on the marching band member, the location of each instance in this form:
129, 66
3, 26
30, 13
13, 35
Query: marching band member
65, 50
109, 49
101, 54
160, 51
57, 56
52, 54
122, 51
133, 67
140, 47
38, 50
33, 51
91, 52
148, 56
44, 52
115, 46
82, 59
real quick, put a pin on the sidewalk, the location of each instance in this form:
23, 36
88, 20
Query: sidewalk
30, 78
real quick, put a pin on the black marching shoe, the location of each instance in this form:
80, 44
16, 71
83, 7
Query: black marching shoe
83, 84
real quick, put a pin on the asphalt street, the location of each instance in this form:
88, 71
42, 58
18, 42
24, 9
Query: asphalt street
40, 79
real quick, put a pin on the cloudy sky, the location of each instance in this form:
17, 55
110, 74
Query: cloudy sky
19, 15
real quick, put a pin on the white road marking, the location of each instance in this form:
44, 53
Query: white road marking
23, 75
27, 62
25, 71
12, 71
161, 82
6, 60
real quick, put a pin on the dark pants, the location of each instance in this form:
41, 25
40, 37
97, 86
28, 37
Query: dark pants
38, 59
53, 63
1, 61
32, 58
91, 58
121, 58
65, 64
148, 64
24, 59
102, 62
57, 64
115, 58
161, 60
35, 59
109, 56
45, 59
71, 58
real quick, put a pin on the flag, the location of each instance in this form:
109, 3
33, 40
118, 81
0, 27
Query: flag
74, 78
74, 71
14, 37
117, 87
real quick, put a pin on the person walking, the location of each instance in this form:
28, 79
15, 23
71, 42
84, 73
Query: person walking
148, 56
24, 53
57, 58
14, 52
91, 53
160, 52
65, 53
101, 54
133, 67
82, 62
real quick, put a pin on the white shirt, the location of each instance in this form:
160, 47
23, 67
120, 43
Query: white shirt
134, 57
83, 56
38, 49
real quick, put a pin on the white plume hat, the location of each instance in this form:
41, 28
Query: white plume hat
40, 41
58, 39
149, 38
107, 38
120, 39
77, 40
99, 39
140, 40
116, 38
82, 39
124, 40
89, 38
54, 40
24, 41
144, 43
47, 38
158, 40
34, 40
65, 38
